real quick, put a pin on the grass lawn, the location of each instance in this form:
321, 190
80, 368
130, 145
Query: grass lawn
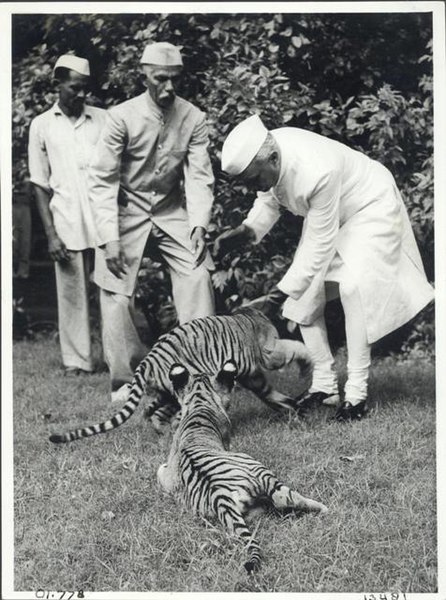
89, 515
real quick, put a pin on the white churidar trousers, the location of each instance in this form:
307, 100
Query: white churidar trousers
358, 349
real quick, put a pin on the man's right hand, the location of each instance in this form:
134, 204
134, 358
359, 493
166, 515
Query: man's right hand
229, 240
115, 259
57, 249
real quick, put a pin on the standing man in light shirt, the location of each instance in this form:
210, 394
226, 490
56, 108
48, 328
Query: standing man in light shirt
357, 243
61, 141
151, 185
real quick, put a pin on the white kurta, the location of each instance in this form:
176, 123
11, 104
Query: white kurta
352, 209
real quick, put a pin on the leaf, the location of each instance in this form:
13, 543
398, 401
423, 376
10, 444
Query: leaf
107, 515
239, 275
288, 31
279, 262
220, 279
296, 41
352, 458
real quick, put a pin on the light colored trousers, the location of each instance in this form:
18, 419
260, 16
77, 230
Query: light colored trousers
72, 284
193, 297
358, 349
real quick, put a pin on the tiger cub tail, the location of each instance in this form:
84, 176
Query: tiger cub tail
254, 556
136, 393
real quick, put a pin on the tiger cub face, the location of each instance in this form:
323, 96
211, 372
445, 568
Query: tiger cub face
203, 400
199, 388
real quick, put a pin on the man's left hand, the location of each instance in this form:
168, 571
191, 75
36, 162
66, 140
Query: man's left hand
199, 248
276, 297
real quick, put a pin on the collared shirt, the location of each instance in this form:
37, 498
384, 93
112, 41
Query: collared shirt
152, 161
59, 152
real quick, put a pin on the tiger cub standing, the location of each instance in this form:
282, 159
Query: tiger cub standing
214, 482
247, 337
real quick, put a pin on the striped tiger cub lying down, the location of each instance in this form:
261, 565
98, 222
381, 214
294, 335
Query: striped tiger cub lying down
214, 482
247, 337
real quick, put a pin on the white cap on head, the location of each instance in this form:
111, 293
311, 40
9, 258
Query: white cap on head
74, 63
162, 54
242, 145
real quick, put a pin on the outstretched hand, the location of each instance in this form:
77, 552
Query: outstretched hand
269, 304
276, 297
231, 239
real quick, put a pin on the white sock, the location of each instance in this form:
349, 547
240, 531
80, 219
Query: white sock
358, 348
316, 340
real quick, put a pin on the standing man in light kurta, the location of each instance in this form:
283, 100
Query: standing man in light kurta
357, 243
61, 141
151, 183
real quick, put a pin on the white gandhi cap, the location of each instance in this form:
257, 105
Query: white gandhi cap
74, 63
162, 54
242, 145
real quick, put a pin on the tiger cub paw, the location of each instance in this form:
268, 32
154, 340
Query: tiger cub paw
165, 479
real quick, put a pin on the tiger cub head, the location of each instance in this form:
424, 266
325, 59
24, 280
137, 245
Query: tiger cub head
199, 389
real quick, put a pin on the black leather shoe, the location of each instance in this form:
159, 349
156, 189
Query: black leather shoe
75, 372
349, 412
313, 399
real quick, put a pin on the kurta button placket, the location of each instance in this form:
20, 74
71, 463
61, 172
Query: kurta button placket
79, 150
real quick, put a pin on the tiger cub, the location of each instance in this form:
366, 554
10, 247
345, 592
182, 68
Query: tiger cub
247, 337
214, 482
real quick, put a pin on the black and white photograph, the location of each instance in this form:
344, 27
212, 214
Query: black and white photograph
223, 299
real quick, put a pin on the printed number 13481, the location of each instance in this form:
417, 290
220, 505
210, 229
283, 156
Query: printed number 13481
392, 596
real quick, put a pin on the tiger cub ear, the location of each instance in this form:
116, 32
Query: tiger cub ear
178, 375
228, 374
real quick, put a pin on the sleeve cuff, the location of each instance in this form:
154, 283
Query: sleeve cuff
107, 234
288, 287
202, 221
259, 232
41, 183
194, 227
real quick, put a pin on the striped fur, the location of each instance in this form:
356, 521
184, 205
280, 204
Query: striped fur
214, 482
247, 337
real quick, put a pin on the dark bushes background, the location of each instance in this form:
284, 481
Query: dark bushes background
363, 79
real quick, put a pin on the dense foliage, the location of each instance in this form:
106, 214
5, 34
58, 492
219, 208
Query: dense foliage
364, 79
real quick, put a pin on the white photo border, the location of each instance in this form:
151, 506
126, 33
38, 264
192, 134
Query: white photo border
7, 10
